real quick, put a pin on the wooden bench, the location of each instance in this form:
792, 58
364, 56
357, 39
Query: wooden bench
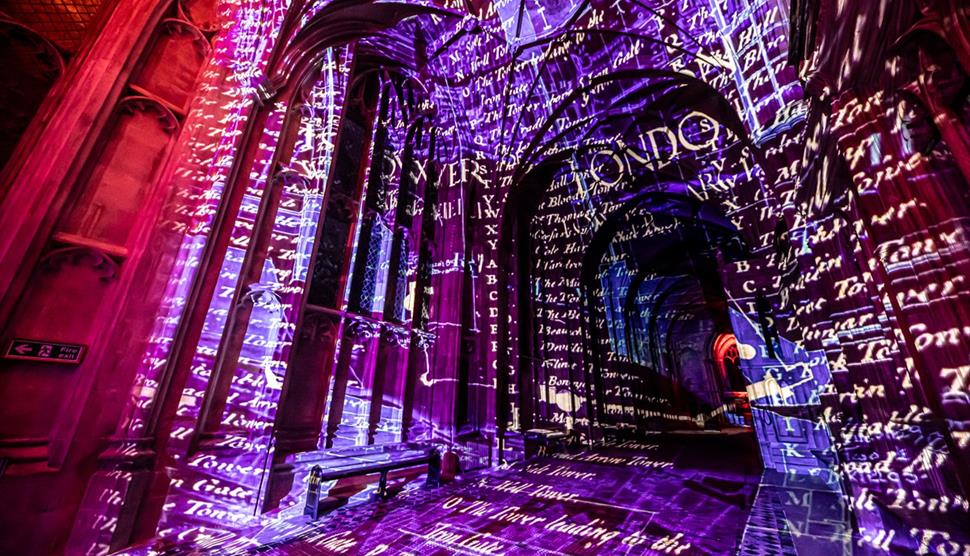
333, 465
542, 442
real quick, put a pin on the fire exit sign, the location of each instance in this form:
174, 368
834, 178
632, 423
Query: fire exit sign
48, 352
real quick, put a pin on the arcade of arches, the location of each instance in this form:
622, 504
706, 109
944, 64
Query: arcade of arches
585, 277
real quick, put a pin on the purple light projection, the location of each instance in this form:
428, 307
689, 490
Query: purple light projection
235, 473
542, 216
629, 497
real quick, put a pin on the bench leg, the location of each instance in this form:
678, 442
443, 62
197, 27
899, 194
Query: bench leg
382, 486
312, 507
434, 471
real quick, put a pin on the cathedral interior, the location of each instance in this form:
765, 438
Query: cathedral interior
519, 277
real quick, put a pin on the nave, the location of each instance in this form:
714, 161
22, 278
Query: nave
252, 247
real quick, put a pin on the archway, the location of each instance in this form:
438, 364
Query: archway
583, 194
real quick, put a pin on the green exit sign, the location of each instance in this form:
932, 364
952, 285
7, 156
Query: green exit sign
48, 352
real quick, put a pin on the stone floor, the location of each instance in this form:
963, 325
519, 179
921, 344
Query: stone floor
672, 494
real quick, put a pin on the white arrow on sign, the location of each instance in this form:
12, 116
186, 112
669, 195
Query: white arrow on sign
22, 349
